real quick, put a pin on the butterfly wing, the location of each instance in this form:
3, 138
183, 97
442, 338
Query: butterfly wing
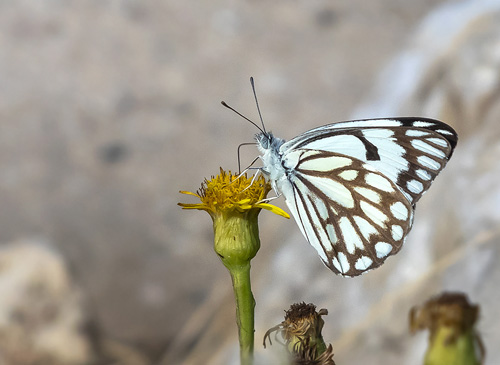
352, 186
353, 215
408, 151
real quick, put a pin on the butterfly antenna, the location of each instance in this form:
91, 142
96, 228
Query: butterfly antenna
241, 115
257, 102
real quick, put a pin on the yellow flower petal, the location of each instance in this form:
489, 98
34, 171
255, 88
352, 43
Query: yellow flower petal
189, 193
274, 209
191, 206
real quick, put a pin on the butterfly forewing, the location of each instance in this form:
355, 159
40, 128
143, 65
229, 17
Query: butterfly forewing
408, 151
353, 215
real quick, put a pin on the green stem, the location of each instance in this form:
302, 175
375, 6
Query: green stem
236, 241
245, 305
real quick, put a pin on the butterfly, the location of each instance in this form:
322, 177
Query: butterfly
352, 186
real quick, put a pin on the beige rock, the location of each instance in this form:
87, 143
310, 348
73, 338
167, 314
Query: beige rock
41, 309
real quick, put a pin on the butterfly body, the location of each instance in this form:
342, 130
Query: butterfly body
269, 147
352, 186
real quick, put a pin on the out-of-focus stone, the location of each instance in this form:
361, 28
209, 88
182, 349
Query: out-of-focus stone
41, 310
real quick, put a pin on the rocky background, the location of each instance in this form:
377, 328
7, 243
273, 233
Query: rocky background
109, 108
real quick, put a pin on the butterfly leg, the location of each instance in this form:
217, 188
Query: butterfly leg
254, 176
259, 169
267, 200
245, 171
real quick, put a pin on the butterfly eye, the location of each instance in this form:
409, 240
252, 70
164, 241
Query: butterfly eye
263, 140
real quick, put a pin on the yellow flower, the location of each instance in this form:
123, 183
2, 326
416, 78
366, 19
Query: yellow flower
234, 203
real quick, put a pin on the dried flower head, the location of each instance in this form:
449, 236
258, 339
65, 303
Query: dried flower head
301, 332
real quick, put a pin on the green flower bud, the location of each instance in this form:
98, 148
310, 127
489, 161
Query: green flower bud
453, 339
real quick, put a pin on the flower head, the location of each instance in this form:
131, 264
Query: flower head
234, 203
301, 331
227, 193
451, 320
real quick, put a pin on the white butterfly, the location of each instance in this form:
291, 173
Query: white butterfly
352, 186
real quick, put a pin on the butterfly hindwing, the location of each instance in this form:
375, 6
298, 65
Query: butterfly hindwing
353, 215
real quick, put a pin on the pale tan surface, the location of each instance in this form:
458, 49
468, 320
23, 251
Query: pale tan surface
109, 108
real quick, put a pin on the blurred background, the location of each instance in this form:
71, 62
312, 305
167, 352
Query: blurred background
109, 108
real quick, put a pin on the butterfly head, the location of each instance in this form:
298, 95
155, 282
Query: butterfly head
269, 147
266, 141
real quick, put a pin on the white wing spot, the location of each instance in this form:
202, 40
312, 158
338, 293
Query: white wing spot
349, 175
444, 131
321, 207
393, 160
407, 196
290, 161
428, 162
369, 167
307, 227
336, 263
397, 232
399, 211
330, 231
369, 194
378, 182
439, 141
415, 186
377, 133
333, 190
416, 133
347, 144
317, 225
427, 148
344, 263
351, 238
309, 153
375, 214
363, 263
324, 240
367, 123
422, 124
382, 249
366, 228
325, 163
423, 174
